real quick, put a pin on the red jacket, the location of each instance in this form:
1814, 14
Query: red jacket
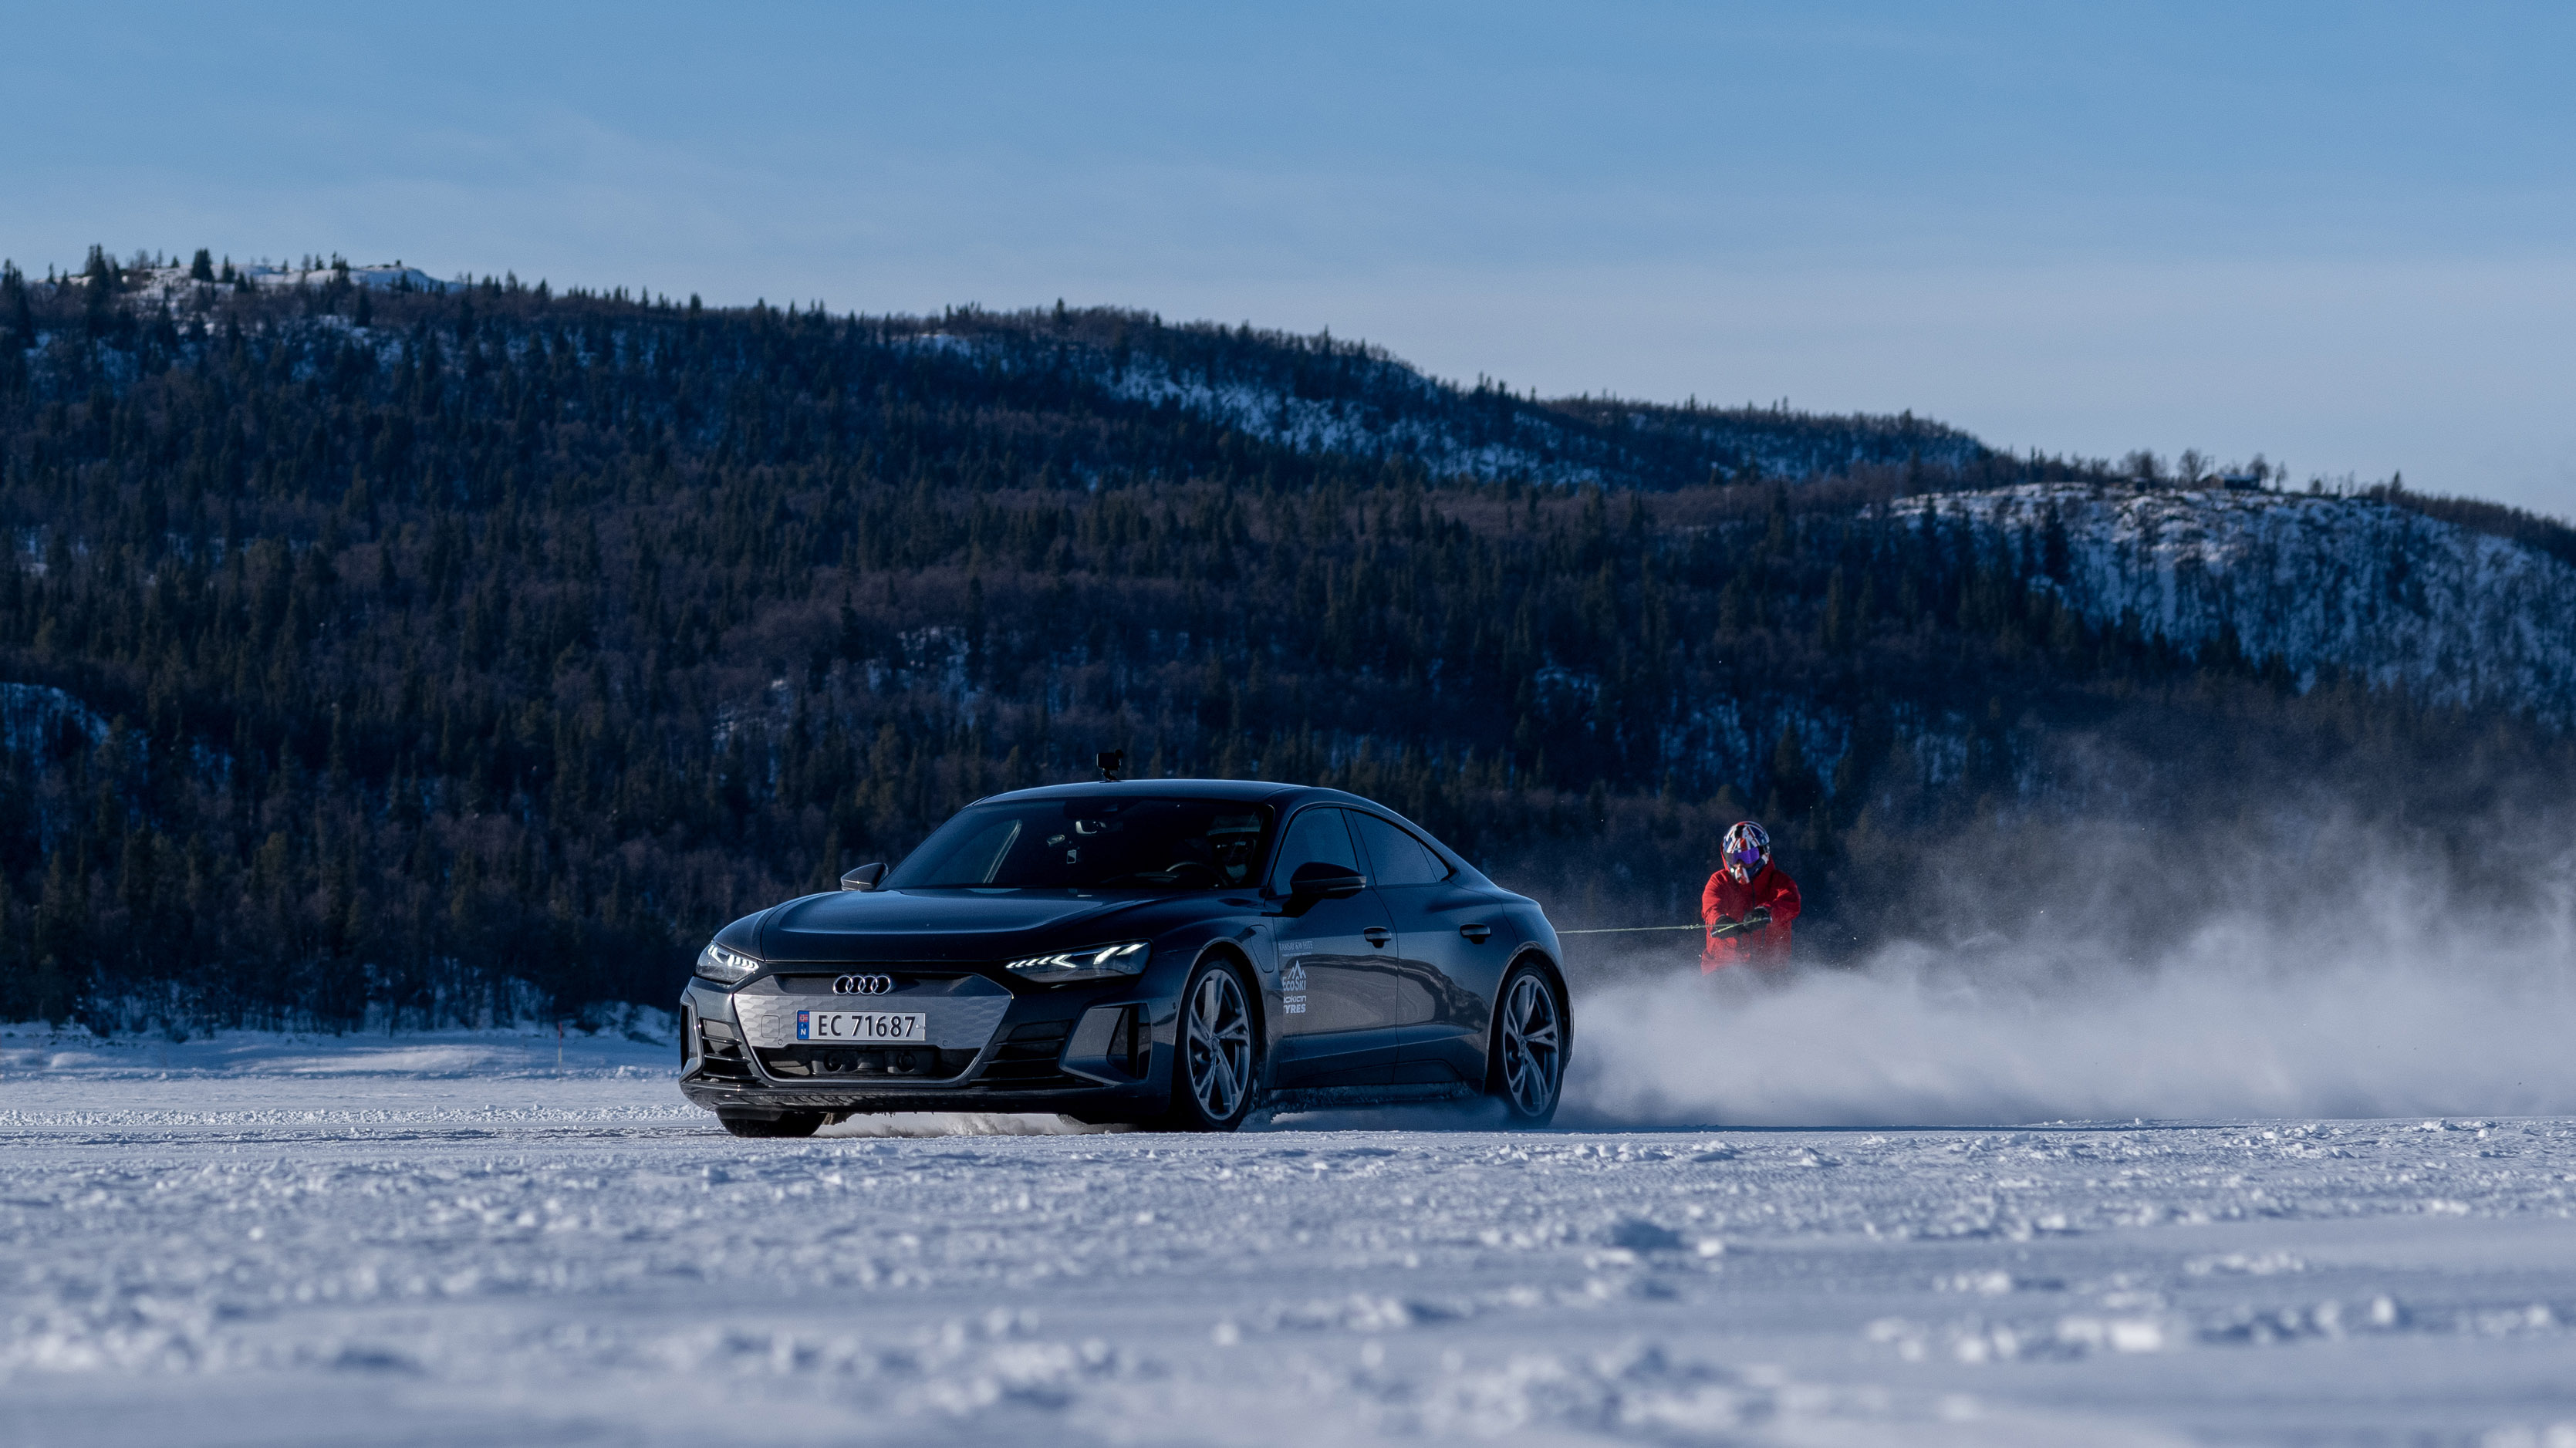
1768, 946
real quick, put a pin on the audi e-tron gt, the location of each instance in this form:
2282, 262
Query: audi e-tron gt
1164, 952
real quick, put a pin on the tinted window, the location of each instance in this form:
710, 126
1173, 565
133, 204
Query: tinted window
1113, 843
1400, 858
1314, 835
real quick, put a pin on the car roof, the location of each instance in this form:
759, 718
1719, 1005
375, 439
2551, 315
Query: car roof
1246, 791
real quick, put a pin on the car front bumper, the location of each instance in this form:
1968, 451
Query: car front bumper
1097, 1052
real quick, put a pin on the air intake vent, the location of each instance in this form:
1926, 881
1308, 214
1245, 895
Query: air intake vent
1027, 1060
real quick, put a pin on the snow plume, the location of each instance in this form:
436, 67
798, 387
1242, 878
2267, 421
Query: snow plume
2355, 985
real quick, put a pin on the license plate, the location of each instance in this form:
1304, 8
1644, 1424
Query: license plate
862, 1027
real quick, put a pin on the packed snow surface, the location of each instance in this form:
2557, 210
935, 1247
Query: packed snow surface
448, 1240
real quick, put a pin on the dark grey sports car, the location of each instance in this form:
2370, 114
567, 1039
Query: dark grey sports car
1169, 952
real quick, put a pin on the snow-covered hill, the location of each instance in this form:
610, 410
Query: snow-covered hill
174, 283
2452, 615
1313, 395
1321, 394
1390, 408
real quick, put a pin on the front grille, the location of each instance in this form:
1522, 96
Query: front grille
960, 1012
1027, 1061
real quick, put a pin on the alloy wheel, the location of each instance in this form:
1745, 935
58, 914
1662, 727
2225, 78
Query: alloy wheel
1533, 1046
1219, 1054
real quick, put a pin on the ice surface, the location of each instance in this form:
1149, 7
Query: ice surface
449, 1240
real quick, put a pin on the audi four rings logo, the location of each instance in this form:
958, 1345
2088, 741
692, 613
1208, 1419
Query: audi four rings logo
863, 985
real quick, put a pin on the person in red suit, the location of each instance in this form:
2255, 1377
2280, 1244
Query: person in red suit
1747, 905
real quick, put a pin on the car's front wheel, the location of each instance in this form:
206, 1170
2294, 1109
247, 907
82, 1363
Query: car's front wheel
1212, 1072
1527, 1059
786, 1123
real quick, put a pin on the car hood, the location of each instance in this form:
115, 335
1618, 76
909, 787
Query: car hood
958, 925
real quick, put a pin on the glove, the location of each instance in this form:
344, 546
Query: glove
1757, 917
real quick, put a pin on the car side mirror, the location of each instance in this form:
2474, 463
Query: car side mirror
1317, 879
865, 877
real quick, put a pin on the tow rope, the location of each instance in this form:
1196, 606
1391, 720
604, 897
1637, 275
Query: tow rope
1630, 929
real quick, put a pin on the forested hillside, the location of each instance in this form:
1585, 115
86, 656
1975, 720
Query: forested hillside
377, 654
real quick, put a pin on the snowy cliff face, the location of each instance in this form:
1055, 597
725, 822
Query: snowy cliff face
2453, 616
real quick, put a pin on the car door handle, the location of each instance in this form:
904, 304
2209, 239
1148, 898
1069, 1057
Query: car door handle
1378, 935
1476, 932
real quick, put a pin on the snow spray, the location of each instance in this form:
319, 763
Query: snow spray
2348, 987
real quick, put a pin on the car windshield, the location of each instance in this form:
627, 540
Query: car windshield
1107, 843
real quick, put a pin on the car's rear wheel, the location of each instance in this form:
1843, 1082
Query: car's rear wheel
1526, 1065
786, 1123
1213, 1071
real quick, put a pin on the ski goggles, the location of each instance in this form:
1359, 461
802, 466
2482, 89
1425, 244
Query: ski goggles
1748, 857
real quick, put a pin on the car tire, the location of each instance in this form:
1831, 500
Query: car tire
786, 1123
1216, 1056
1525, 1063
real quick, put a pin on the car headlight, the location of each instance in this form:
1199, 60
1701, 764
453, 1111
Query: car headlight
723, 964
1098, 962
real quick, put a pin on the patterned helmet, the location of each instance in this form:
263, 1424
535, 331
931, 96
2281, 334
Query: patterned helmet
1747, 849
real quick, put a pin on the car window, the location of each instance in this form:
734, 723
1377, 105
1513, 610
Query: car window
1094, 843
977, 857
1400, 858
1316, 835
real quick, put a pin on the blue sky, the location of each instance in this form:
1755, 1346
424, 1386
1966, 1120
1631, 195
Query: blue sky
2343, 235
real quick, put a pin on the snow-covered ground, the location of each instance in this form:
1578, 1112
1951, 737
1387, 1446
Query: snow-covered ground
451, 1240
